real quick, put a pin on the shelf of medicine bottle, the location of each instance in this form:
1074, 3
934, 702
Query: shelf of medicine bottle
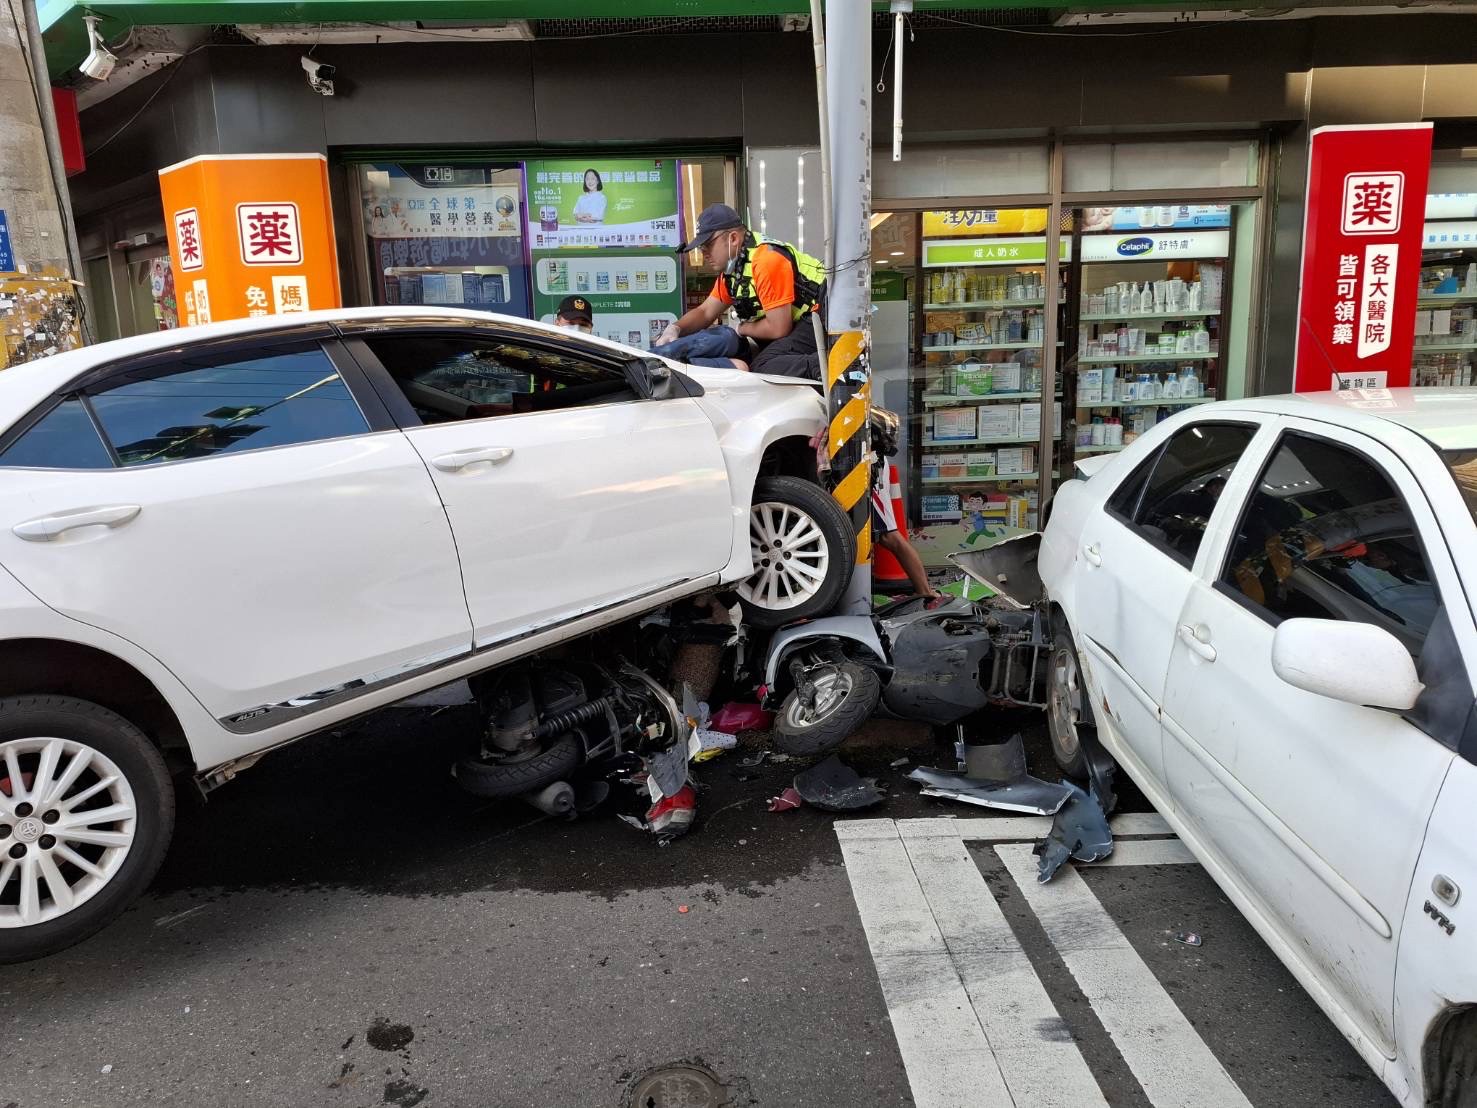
984, 346
1097, 449
1183, 402
984, 305
1444, 347
1141, 359
944, 400
1146, 317
1437, 299
998, 479
949, 444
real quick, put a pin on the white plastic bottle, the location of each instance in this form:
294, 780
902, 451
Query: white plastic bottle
1202, 339
1190, 384
1171, 389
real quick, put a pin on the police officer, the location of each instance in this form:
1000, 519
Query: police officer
574, 314
773, 288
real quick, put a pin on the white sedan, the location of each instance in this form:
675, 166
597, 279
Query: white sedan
1264, 610
219, 540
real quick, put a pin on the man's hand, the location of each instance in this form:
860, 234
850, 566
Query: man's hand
671, 334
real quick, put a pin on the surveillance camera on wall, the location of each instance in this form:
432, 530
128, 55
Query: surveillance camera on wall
320, 75
100, 60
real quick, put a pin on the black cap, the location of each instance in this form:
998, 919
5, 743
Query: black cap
575, 309
716, 218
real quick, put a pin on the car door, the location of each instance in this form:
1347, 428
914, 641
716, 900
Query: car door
1315, 807
1137, 554
235, 510
569, 490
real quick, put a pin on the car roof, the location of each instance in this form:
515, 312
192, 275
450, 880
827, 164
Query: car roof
22, 386
1447, 417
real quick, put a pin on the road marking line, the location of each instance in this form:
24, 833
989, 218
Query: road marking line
944, 1049
1039, 1059
1148, 852
994, 829
1167, 1056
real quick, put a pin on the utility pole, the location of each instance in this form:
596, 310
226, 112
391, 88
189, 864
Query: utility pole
40, 300
848, 36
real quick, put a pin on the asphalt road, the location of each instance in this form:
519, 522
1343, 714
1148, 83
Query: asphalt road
343, 926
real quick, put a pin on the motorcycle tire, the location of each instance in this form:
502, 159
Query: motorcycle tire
495, 779
854, 691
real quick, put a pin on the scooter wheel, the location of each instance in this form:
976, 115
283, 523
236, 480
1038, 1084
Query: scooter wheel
846, 696
486, 777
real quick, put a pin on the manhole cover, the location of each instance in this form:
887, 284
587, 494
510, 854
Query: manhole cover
683, 1085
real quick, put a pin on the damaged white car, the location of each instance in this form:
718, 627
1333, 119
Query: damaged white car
217, 541
1263, 610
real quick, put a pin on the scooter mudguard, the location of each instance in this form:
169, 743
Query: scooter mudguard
857, 629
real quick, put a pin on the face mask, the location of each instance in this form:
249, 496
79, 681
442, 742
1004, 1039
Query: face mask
732, 265
583, 327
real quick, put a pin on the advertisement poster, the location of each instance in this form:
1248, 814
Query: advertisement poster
971, 222
1362, 237
632, 295
1168, 245
446, 235
250, 235
629, 203
1157, 217
1002, 251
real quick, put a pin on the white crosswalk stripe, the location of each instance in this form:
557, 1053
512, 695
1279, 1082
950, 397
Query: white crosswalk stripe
974, 1023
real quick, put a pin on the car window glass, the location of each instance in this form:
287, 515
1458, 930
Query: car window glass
290, 395
1125, 499
64, 438
1325, 535
1186, 482
446, 379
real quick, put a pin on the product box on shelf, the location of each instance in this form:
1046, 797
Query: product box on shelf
940, 509
973, 379
998, 421
1090, 386
953, 424
1006, 377
952, 465
1031, 419
980, 464
1016, 459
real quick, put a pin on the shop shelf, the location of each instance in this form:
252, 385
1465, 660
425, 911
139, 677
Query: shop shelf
983, 346
1182, 403
949, 444
998, 479
1135, 317
1139, 359
1443, 347
1437, 299
983, 305
943, 400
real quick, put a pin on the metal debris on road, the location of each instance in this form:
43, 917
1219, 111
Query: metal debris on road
1189, 938
996, 778
1080, 830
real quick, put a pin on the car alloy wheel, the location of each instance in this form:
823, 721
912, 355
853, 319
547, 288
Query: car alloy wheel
1064, 701
68, 818
791, 557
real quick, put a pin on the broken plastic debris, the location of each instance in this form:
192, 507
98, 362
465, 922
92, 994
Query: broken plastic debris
1041, 798
1079, 831
683, 908
1189, 938
668, 770
833, 786
706, 744
108, 1069
899, 763
785, 801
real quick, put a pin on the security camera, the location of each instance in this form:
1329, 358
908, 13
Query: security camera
100, 60
320, 75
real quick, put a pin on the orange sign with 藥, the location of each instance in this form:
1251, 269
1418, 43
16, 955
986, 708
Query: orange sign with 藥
250, 235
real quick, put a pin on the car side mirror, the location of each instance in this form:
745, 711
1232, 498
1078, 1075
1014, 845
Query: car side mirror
1357, 663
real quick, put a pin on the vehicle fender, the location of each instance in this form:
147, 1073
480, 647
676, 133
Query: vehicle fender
856, 629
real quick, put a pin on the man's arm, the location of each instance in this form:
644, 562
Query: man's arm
776, 323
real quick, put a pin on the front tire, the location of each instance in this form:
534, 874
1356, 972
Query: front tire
1068, 711
846, 696
804, 551
86, 815
495, 779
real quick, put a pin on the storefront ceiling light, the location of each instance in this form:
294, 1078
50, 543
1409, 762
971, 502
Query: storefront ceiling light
341, 34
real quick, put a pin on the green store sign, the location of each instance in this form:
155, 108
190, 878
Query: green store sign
992, 251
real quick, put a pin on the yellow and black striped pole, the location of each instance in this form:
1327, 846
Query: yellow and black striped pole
848, 402
848, 123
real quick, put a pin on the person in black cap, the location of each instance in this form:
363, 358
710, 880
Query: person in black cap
773, 288
574, 313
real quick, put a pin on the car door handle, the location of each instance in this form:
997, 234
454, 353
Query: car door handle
46, 528
1191, 637
1093, 554
460, 459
